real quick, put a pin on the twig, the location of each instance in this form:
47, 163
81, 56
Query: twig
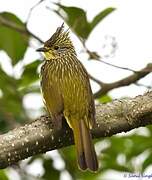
112, 118
16, 27
95, 56
119, 67
143, 85
106, 87
31, 9
100, 83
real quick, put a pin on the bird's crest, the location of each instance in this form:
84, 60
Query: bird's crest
59, 37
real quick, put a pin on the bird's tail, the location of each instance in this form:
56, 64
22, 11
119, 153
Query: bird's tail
86, 154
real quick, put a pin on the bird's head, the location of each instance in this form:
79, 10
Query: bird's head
58, 45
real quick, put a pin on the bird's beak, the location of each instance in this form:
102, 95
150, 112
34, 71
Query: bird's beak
42, 49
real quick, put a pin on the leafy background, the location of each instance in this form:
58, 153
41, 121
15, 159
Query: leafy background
131, 152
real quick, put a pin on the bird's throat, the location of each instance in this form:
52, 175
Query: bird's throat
49, 55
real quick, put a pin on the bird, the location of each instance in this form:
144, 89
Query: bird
67, 93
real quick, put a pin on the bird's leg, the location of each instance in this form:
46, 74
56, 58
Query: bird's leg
57, 121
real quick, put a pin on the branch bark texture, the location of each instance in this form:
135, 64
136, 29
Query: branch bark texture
39, 136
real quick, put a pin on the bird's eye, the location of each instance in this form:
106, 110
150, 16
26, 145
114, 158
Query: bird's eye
56, 47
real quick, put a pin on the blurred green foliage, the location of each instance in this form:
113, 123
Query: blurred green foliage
30, 74
3, 176
50, 171
76, 18
105, 99
12, 42
119, 155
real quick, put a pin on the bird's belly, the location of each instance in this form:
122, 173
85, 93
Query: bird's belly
52, 96
66, 87
75, 97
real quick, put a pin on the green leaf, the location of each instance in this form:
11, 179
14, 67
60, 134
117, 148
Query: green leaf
130, 146
13, 42
30, 74
50, 171
11, 101
30, 89
99, 17
3, 175
147, 162
76, 19
8, 84
105, 99
140, 144
3, 123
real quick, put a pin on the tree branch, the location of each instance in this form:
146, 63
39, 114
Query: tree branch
106, 87
31, 10
39, 135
